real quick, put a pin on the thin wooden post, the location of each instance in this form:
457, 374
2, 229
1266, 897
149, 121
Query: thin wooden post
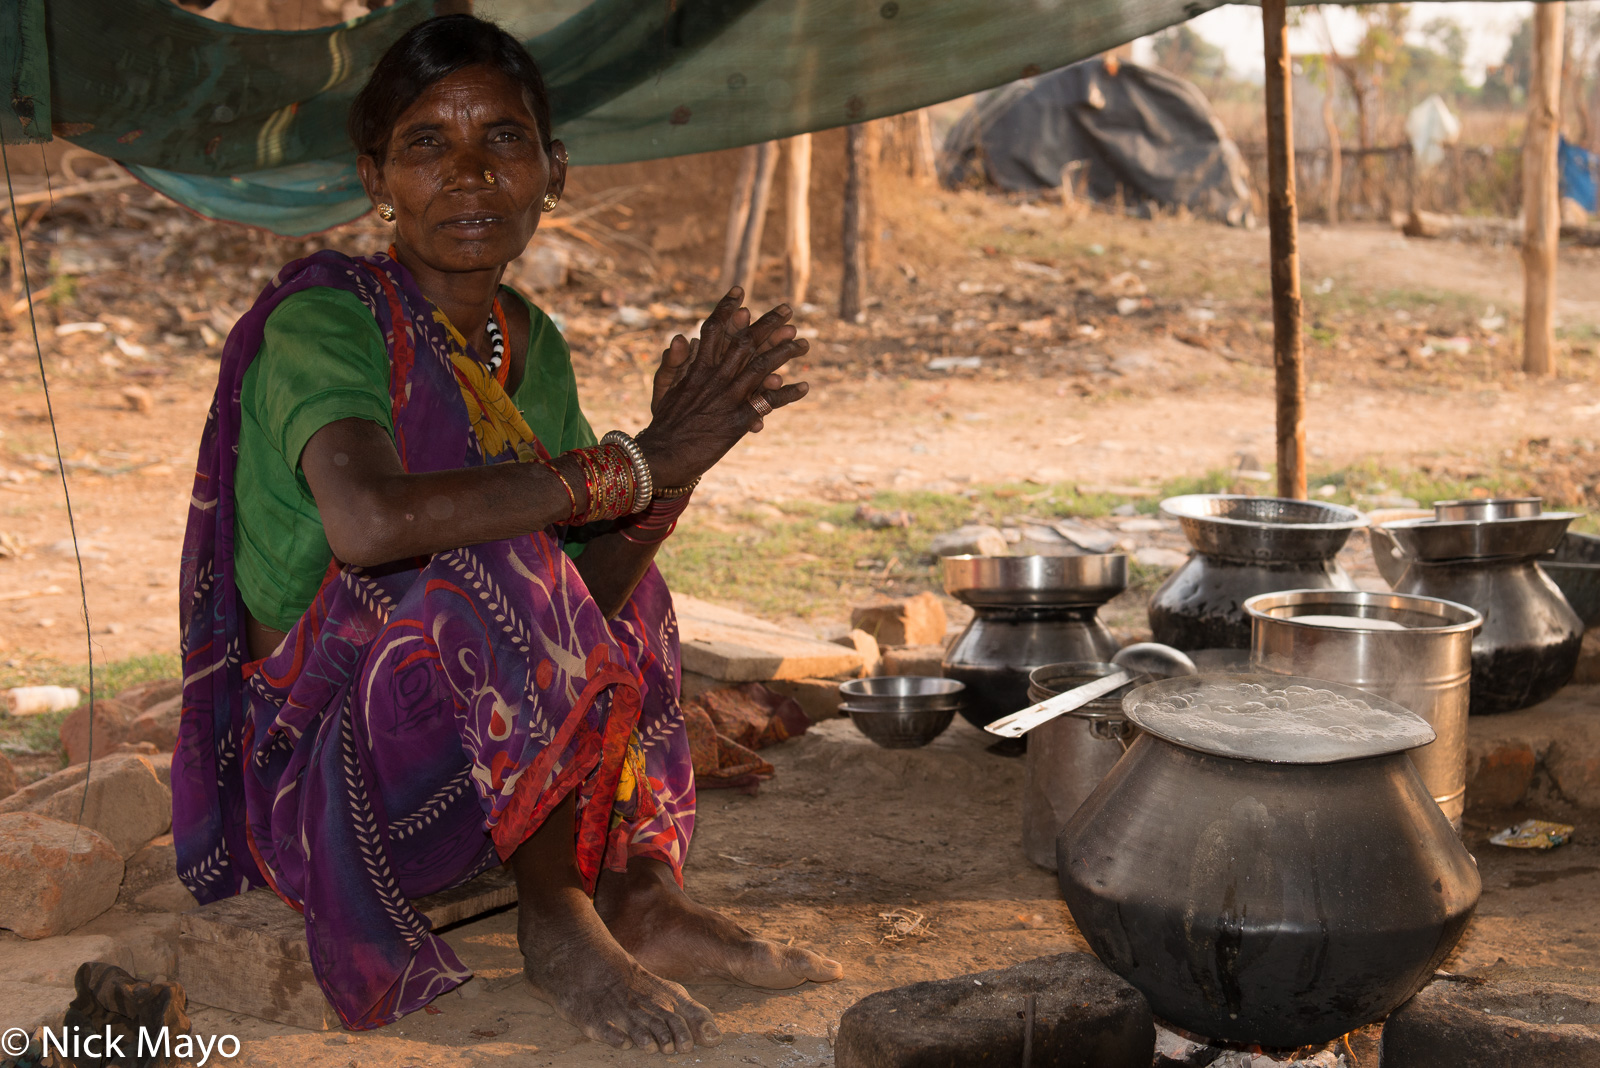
797, 250
853, 239
1335, 156
1541, 206
1288, 353
926, 167
738, 212
748, 259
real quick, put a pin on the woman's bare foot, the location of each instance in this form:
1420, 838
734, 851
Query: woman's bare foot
576, 965
673, 937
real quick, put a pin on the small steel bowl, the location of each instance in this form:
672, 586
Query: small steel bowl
1475, 509
901, 711
1237, 527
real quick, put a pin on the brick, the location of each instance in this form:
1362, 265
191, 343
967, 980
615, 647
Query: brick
927, 660
112, 719
158, 724
146, 694
125, 800
1085, 1017
54, 877
1500, 776
866, 646
918, 620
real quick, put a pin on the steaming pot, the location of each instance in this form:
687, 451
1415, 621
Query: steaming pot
1244, 546
1028, 611
1261, 881
1527, 648
1416, 651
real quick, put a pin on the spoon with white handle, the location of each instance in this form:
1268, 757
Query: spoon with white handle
1149, 660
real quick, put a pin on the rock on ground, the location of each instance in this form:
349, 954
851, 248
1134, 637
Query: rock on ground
112, 720
1499, 1016
1084, 1015
972, 540
158, 724
867, 646
144, 944
927, 660
54, 877
8, 777
918, 620
150, 882
126, 800
146, 694
31, 1006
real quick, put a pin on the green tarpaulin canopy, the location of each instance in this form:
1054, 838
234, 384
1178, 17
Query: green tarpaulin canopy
248, 125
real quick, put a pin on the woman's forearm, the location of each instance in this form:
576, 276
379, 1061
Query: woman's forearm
373, 511
611, 567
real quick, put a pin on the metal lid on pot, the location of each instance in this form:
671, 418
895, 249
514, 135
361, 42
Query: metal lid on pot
1086, 580
1262, 529
1278, 719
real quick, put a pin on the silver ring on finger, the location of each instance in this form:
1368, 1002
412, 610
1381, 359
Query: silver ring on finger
758, 401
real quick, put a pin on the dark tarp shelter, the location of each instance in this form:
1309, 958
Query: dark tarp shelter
1138, 130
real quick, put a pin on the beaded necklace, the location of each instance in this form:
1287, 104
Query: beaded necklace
499, 366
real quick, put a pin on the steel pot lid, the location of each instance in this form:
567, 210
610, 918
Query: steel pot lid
1432, 541
1481, 509
1239, 527
1020, 581
1277, 719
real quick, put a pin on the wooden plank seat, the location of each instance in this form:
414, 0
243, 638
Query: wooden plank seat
248, 953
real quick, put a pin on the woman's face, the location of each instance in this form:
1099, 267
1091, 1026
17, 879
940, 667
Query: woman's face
447, 212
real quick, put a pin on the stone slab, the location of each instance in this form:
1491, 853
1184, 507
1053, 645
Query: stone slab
1084, 1016
248, 953
1560, 737
1498, 1017
731, 647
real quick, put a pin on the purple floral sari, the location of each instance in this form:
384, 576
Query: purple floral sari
423, 718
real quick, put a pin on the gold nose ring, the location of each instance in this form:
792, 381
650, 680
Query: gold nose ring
489, 177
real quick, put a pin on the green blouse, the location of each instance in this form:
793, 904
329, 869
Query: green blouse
323, 359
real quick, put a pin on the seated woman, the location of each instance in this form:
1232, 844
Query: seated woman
422, 633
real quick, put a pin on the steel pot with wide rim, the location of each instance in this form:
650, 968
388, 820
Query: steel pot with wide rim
1265, 864
1028, 611
1069, 755
1244, 546
1527, 648
1416, 651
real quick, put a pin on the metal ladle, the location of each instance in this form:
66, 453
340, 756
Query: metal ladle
1141, 661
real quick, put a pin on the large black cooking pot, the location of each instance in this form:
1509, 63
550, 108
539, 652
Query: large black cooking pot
1260, 883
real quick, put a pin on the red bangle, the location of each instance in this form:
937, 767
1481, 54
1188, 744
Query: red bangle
660, 519
573, 497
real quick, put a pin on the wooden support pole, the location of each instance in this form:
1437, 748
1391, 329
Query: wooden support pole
1288, 352
1541, 205
738, 213
748, 258
1335, 156
797, 250
857, 173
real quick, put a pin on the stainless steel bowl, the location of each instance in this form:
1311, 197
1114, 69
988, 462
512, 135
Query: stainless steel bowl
1575, 568
1431, 541
1019, 581
1486, 508
901, 711
1262, 528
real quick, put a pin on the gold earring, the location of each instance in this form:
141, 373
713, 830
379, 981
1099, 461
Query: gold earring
488, 176
387, 211
550, 201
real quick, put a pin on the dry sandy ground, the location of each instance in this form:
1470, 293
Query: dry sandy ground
845, 833
1177, 410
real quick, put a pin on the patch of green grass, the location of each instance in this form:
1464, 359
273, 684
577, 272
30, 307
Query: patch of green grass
812, 559
41, 732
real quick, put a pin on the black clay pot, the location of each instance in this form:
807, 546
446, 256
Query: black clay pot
1266, 901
